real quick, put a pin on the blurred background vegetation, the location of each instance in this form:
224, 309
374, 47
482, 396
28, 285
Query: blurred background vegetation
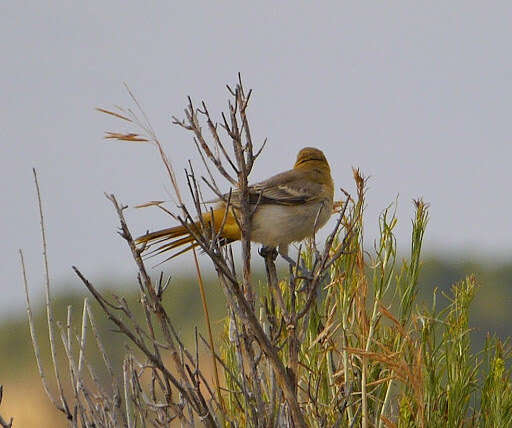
18, 372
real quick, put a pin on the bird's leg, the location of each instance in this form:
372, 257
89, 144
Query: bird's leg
306, 274
270, 255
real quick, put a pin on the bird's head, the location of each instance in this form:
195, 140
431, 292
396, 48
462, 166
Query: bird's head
314, 163
310, 157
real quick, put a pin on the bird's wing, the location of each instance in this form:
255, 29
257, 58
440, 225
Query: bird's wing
288, 188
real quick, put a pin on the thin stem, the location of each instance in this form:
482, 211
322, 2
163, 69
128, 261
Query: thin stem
49, 310
210, 335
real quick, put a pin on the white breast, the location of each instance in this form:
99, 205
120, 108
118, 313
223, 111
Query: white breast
280, 225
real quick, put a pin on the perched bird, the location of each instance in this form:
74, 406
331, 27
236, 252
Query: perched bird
288, 207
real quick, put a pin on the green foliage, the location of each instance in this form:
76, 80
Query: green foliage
369, 355
496, 395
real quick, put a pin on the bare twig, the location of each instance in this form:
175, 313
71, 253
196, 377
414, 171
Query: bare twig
49, 311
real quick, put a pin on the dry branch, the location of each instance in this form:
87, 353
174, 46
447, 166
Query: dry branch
162, 380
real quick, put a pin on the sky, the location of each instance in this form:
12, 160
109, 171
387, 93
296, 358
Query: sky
418, 96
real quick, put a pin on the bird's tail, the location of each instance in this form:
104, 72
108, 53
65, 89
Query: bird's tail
167, 240
179, 237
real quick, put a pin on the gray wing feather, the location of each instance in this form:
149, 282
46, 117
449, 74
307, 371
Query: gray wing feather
286, 188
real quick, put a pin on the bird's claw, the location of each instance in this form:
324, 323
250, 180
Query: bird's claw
268, 252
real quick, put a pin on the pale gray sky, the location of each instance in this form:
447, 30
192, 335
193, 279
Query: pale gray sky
418, 96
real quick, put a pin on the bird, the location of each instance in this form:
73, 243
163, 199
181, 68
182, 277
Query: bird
287, 207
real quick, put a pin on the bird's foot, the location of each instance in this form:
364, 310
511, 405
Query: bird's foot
268, 252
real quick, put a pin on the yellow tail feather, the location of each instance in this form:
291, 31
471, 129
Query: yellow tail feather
175, 237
